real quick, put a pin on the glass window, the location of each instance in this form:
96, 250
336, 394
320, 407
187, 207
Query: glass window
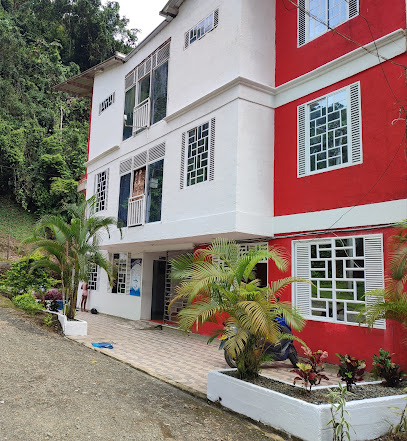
101, 191
159, 93
328, 131
129, 103
325, 14
202, 28
119, 265
124, 199
154, 191
198, 154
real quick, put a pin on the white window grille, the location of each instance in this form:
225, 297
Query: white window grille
342, 270
141, 116
329, 132
202, 28
198, 156
101, 188
106, 103
93, 276
315, 17
121, 270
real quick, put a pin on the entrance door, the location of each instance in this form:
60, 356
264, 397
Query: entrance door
158, 293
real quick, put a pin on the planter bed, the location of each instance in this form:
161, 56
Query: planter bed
72, 327
287, 410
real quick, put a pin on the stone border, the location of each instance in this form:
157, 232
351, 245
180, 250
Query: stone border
74, 327
369, 418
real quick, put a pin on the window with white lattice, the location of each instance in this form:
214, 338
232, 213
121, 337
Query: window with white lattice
146, 93
329, 132
93, 277
315, 17
101, 187
202, 28
342, 271
121, 269
197, 154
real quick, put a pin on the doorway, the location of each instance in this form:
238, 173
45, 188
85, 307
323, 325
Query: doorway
158, 290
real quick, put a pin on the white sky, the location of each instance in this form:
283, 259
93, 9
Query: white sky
143, 14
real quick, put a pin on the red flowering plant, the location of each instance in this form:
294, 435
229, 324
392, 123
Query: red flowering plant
310, 373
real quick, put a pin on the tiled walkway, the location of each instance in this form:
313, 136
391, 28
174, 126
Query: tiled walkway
168, 354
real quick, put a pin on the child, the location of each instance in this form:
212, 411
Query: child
85, 293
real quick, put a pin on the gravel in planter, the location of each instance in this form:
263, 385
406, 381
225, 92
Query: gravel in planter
318, 396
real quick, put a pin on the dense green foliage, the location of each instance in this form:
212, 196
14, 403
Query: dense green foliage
43, 133
20, 279
27, 302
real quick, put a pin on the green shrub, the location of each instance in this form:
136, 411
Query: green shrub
27, 302
20, 279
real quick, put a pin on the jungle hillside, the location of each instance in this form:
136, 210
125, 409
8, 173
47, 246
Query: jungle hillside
43, 133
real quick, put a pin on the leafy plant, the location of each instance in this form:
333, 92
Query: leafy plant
53, 294
72, 246
27, 302
48, 320
351, 370
220, 280
22, 277
340, 426
384, 368
310, 373
392, 300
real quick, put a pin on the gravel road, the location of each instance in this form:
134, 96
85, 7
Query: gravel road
52, 388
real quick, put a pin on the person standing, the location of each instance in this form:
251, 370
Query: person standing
85, 293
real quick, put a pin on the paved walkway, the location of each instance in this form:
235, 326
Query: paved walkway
167, 354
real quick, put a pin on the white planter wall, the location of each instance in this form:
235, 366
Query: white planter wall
73, 327
370, 418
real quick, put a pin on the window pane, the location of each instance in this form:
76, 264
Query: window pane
144, 89
159, 93
123, 199
129, 103
154, 191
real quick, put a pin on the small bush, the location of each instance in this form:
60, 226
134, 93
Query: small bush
48, 320
27, 302
22, 278
351, 370
53, 294
384, 368
310, 373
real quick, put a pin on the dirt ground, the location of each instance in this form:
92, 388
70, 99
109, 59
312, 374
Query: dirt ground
52, 388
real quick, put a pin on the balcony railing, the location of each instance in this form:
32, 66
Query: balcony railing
141, 115
135, 215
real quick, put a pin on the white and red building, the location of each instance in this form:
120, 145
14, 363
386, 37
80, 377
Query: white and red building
267, 122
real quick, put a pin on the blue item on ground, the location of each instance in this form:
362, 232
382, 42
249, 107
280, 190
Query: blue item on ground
103, 345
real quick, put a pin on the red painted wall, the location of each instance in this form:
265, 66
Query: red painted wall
380, 142
291, 62
336, 337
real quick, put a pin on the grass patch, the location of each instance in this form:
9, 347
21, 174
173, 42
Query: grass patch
17, 223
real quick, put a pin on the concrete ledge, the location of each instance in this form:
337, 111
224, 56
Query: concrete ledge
72, 327
369, 418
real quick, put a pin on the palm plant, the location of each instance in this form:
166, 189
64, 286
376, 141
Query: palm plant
220, 280
70, 248
392, 302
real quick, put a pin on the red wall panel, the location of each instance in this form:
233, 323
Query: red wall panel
293, 61
380, 139
357, 341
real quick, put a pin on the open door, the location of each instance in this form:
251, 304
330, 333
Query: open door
158, 291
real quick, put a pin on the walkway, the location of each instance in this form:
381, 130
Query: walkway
171, 355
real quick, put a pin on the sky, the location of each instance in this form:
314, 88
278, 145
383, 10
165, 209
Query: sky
143, 14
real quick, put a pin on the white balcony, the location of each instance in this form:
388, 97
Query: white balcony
136, 211
141, 115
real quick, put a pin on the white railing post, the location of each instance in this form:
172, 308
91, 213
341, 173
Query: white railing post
141, 115
136, 210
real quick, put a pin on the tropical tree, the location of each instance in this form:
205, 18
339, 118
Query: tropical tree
71, 248
220, 281
392, 300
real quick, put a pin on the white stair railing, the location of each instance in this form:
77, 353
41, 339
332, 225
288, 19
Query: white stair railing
141, 115
135, 214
